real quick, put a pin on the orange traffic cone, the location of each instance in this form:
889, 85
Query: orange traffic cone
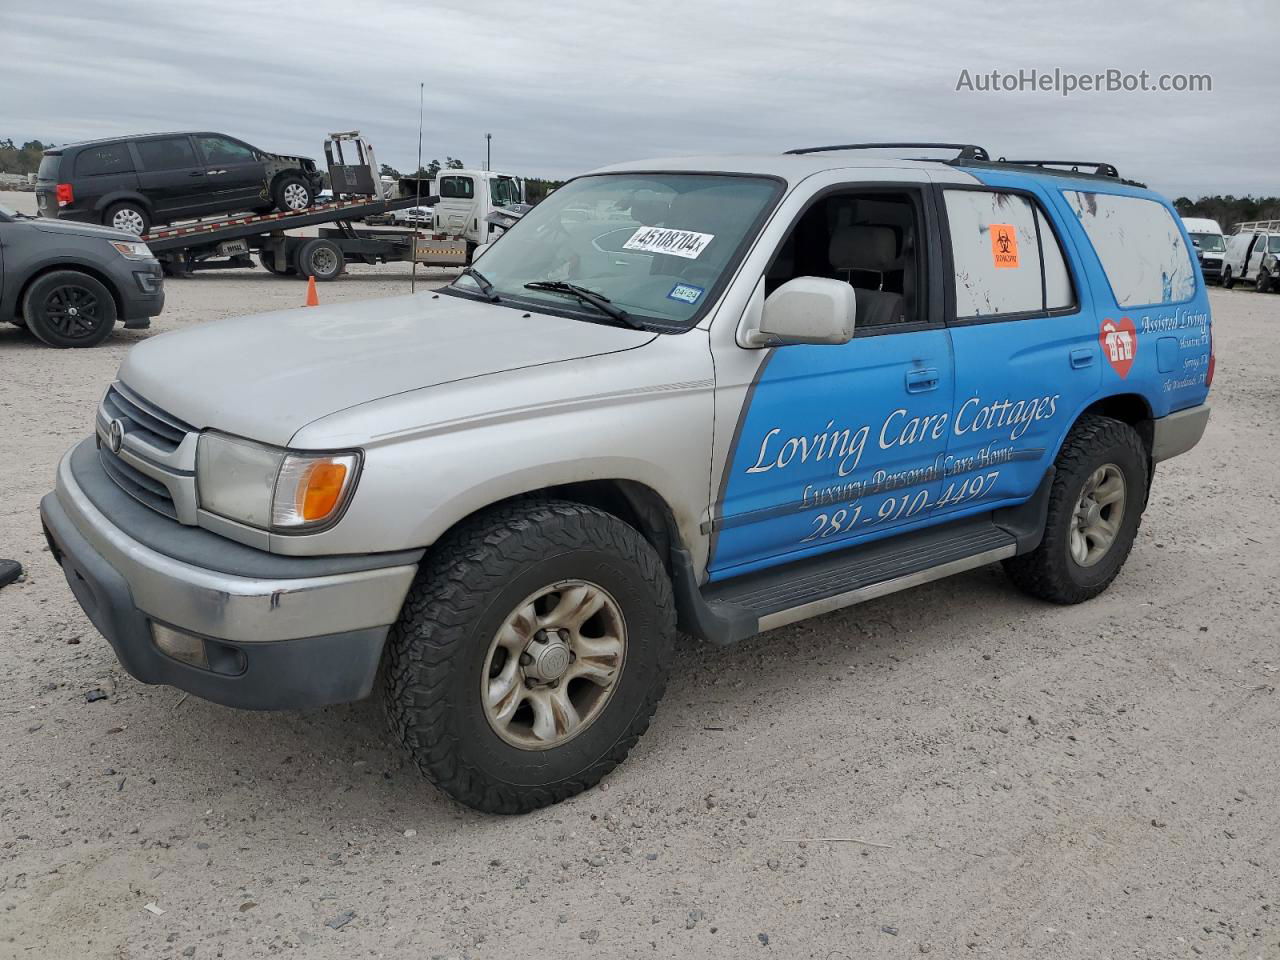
312, 299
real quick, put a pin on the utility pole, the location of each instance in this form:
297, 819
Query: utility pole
488, 159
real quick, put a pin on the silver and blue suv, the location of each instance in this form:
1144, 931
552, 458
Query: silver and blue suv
717, 394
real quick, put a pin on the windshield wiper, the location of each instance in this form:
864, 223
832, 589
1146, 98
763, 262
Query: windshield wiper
597, 300
482, 282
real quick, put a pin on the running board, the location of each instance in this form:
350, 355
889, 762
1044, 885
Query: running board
734, 609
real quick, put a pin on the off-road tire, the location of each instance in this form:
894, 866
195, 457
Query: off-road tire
1228, 281
466, 587
45, 309
1049, 572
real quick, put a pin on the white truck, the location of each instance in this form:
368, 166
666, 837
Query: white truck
1209, 242
468, 200
1253, 255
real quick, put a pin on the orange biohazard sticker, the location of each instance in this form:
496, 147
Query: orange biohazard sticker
1004, 245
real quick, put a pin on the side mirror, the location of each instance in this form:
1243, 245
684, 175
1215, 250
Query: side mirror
479, 251
806, 310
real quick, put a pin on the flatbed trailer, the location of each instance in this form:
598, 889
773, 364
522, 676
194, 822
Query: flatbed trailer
229, 242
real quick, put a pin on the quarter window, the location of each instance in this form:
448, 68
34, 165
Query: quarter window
171, 153
463, 188
1139, 245
94, 161
1006, 257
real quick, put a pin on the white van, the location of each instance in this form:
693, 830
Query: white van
1210, 245
1253, 254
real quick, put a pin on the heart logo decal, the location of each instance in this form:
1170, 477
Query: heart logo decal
1119, 339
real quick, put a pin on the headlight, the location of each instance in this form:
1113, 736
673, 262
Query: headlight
271, 488
133, 250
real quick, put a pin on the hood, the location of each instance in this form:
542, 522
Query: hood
76, 229
266, 376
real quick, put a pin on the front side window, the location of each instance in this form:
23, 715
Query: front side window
1273, 244
457, 188
171, 153
504, 191
1006, 256
222, 150
1139, 245
656, 245
95, 161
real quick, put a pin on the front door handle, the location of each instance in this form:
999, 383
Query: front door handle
922, 381
1081, 359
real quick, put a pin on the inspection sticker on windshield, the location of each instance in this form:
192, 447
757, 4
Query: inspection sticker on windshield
677, 243
685, 293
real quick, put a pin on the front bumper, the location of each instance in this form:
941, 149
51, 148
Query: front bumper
141, 289
295, 632
1178, 432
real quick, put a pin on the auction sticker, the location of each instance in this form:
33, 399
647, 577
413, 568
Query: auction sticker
677, 243
685, 293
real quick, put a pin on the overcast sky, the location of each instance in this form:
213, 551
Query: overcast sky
566, 87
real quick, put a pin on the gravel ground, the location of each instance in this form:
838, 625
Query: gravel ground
1034, 781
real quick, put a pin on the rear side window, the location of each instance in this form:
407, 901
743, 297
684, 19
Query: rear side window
457, 188
1006, 256
95, 161
171, 153
1139, 245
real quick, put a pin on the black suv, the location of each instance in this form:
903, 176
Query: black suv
131, 183
68, 283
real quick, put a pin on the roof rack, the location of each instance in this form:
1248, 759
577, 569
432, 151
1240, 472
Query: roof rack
964, 151
1251, 226
1099, 169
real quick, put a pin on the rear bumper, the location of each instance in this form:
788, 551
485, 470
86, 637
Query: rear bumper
1178, 432
307, 634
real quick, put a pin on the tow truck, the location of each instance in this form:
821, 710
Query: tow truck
359, 193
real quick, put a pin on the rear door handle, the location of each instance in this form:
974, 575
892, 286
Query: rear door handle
1081, 358
922, 381
196, 173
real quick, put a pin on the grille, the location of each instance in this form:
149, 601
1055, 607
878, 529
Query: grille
143, 420
144, 489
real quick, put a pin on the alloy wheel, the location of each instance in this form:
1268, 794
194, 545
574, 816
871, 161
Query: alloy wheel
1098, 515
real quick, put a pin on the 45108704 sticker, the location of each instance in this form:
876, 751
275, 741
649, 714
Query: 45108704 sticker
901, 507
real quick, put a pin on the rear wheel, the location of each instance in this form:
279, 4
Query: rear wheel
268, 260
321, 259
1228, 281
129, 217
67, 308
291, 193
530, 654
1095, 505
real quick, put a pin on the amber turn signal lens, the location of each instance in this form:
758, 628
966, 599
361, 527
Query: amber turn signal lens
321, 489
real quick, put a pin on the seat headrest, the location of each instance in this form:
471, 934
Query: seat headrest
649, 207
863, 247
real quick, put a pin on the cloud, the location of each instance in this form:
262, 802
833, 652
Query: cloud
566, 87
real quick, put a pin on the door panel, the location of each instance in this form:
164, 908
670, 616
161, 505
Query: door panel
236, 177
1027, 356
836, 445
171, 176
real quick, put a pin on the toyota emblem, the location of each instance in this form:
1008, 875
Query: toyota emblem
115, 439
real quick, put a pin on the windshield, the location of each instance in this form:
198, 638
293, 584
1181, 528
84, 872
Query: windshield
1208, 242
655, 244
504, 190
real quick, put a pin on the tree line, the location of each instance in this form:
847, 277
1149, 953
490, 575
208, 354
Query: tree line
21, 159
1229, 210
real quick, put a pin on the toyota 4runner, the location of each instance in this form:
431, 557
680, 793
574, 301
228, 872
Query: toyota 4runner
714, 394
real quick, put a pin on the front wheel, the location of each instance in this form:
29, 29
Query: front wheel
291, 194
530, 654
1095, 505
1263, 282
67, 308
1228, 281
